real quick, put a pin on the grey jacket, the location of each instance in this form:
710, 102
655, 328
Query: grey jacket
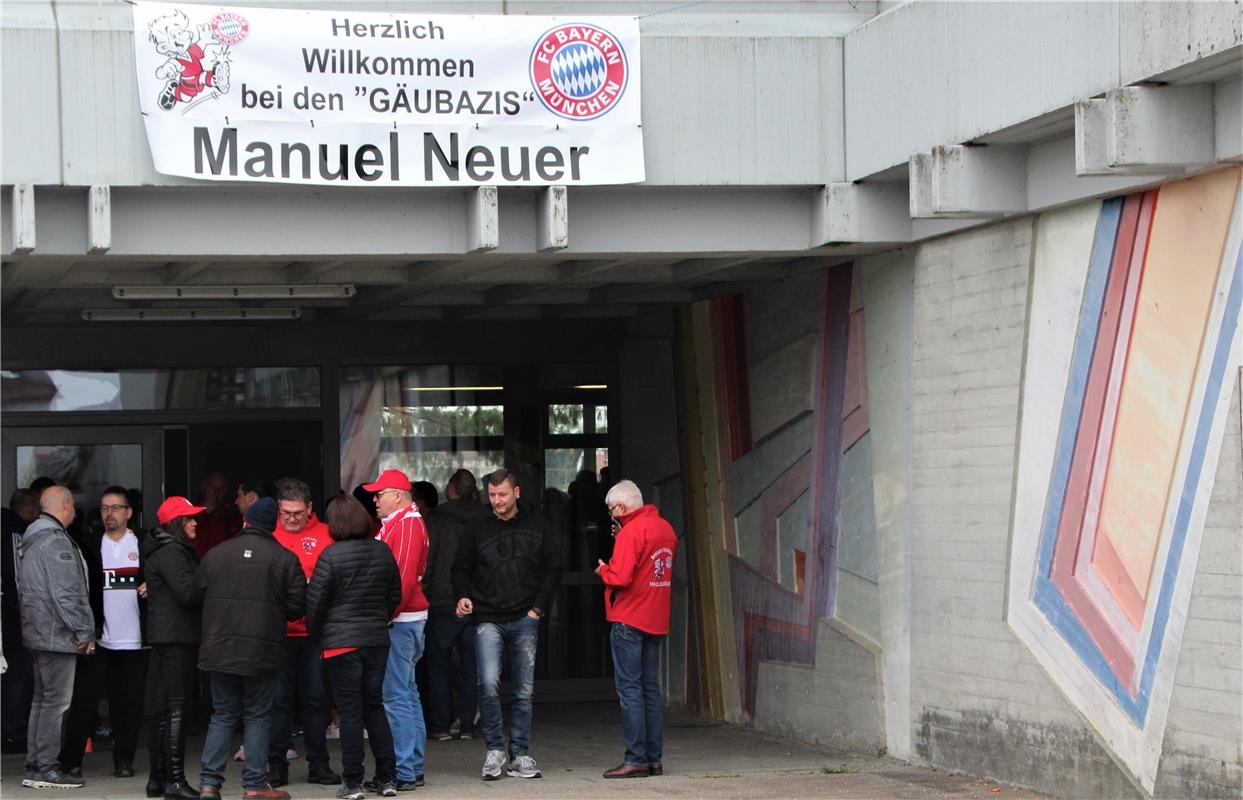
52, 584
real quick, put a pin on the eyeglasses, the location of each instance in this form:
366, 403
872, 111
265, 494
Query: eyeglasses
295, 514
112, 509
615, 506
383, 492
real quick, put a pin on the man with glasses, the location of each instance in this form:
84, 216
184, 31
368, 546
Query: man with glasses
402, 529
119, 666
301, 676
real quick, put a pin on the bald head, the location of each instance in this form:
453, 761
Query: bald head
58, 502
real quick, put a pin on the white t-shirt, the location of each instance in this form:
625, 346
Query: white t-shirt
122, 629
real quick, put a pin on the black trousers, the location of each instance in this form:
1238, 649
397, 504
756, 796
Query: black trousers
120, 676
357, 680
171, 685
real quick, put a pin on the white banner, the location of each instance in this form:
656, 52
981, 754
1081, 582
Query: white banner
352, 98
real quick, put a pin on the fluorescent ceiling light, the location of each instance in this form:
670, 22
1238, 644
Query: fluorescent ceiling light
592, 386
310, 291
187, 314
455, 388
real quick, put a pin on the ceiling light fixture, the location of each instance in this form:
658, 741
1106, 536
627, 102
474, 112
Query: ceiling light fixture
310, 291
592, 386
188, 314
455, 388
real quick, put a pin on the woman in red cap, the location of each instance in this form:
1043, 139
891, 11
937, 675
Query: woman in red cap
169, 562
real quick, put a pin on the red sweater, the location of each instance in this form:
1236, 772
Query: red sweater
306, 544
639, 576
406, 535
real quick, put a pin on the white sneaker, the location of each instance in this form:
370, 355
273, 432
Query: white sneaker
240, 755
494, 765
523, 766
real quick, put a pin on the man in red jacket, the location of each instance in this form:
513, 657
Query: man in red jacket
301, 675
403, 531
638, 583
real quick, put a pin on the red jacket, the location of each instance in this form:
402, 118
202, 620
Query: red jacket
406, 535
638, 579
306, 544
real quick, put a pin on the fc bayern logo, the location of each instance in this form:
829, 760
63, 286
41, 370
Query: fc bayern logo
229, 28
579, 71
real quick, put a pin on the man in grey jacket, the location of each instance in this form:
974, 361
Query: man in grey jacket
57, 624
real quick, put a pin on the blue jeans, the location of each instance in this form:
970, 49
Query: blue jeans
515, 640
444, 629
302, 676
636, 673
237, 697
357, 680
401, 698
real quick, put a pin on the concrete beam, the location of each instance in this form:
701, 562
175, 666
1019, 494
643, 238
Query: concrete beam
876, 212
1146, 130
483, 225
99, 219
23, 219
552, 221
1228, 111
969, 182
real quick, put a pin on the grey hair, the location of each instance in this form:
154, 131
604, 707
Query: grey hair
627, 494
294, 490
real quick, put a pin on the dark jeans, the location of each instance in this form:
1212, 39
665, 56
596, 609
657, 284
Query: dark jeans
302, 677
53, 673
444, 630
248, 699
357, 680
119, 675
636, 674
126, 672
515, 642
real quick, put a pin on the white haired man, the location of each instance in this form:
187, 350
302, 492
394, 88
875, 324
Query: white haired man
638, 583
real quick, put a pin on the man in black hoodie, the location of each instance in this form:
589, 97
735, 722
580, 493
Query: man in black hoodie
251, 586
505, 571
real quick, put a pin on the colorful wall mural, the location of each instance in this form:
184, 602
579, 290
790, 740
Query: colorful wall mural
1132, 353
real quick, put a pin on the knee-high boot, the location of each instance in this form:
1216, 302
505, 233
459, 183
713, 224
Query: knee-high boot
177, 788
155, 745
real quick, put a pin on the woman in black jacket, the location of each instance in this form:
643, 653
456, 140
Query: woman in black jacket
170, 563
352, 596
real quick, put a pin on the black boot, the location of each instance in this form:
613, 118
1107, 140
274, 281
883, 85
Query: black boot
156, 776
278, 774
177, 788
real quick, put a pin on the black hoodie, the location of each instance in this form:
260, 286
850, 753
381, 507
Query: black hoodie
172, 607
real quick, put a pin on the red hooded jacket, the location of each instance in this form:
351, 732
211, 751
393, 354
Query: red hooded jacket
306, 544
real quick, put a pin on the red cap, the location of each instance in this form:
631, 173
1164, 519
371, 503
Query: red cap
389, 479
174, 507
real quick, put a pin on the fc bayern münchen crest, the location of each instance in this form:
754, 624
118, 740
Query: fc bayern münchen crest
579, 70
229, 28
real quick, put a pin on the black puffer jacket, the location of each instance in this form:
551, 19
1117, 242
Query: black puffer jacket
172, 606
251, 586
353, 594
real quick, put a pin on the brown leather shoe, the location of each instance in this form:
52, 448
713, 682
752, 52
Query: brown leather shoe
655, 769
628, 771
265, 793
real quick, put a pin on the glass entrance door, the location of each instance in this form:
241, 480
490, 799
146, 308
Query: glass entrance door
87, 460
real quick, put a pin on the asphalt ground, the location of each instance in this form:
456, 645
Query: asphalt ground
575, 742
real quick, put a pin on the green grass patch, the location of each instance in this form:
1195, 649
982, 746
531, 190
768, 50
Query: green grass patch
842, 770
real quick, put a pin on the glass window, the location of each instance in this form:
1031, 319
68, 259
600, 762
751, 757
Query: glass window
565, 418
562, 465
427, 421
85, 469
602, 419
159, 389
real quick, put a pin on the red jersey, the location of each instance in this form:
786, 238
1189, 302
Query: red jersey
406, 535
638, 579
306, 544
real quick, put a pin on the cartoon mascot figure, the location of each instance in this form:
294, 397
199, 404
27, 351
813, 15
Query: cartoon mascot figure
191, 67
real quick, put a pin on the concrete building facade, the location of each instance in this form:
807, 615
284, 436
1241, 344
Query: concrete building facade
923, 328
